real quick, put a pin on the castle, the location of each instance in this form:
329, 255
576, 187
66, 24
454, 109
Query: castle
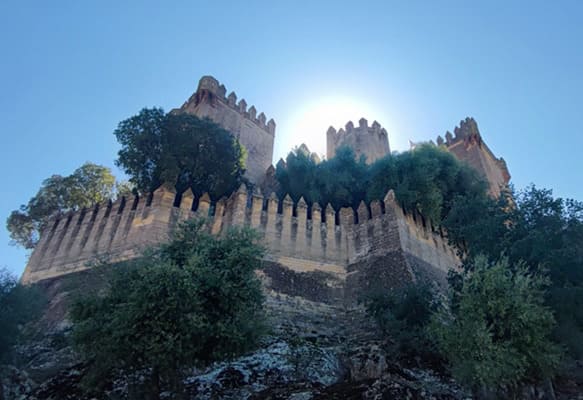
316, 251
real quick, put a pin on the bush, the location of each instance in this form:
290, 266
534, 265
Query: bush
188, 303
496, 333
18, 305
404, 315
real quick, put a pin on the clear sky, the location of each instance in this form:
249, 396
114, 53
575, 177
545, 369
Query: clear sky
70, 71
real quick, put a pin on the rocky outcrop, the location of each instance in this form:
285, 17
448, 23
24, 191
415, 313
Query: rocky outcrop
314, 351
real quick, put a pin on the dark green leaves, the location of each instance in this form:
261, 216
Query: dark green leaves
18, 305
87, 185
189, 302
179, 149
427, 179
498, 332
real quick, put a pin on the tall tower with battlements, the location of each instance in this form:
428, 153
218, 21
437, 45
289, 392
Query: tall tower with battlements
370, 141
467, 145
253, 130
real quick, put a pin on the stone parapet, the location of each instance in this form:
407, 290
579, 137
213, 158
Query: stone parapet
296, 235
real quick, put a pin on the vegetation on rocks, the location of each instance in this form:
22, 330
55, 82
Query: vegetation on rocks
187, 303
18, 306
404, 314
495, 331
516, 303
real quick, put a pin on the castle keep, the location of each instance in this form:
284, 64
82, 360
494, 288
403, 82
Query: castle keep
316, 251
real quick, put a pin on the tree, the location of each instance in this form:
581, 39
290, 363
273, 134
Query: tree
342, 179
404, 314
426, 179
179, 149
496, 334
479, 225
339, 181
188, 303
18, 305
297, 176
87, 185
543, 231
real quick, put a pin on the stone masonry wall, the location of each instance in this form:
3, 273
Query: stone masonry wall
306, 241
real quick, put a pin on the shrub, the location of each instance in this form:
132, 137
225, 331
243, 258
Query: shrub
188, 303
496, 334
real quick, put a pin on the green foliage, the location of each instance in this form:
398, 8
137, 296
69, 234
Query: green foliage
342, 179
478, 225
125, 189
87, 185
497, 331
404, 315
18, 305
188, 303
179, 149
427, 179
297, 177
339, 181
544, 232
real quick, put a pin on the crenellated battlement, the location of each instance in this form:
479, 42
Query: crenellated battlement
466, 131
467, 145
319, 237
377, 242
211, 90
370, 141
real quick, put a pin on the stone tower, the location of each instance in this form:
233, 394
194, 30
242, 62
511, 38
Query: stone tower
252, 130
467, 145
370, 141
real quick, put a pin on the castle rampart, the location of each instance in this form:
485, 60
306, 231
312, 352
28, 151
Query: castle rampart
299, 237
253, 130
372, 142
330, 251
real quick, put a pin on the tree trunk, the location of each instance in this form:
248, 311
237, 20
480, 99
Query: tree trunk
177, 384
549, 390
154, 387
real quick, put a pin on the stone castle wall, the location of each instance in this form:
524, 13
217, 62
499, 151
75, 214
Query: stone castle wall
372, 142
304, 240
253, 130
314, 251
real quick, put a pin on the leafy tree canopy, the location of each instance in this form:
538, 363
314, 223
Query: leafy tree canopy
543, 231
426, 179
339, 181
187, 303
497, 332
87, 185
179, 149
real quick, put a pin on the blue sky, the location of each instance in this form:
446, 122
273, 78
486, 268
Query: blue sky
70, 71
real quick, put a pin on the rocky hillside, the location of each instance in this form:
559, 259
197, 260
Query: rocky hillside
313, 351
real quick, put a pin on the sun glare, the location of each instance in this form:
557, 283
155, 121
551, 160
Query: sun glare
310, 123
